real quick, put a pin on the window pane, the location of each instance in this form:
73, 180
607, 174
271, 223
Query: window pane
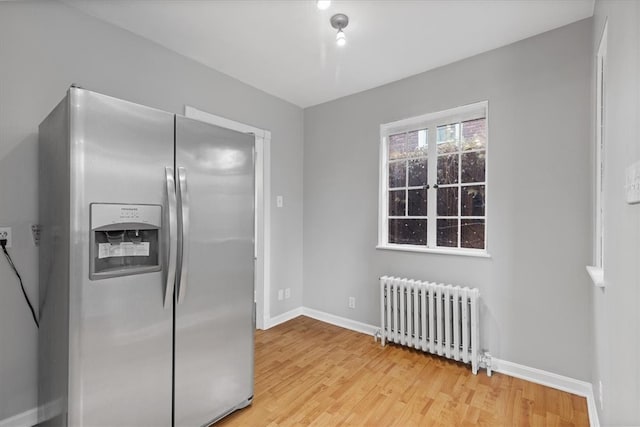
447, 233
448, 137
472, 200
417, 143
448, 201
448, 169
397, 146
418, 202
473, 167
472, 233
408, 231
417, 172
474, 135
397, 174
397, 203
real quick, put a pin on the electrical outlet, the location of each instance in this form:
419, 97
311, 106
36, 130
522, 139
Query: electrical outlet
35, 233
280, 295
352, 302
632, 185
5, 233
287, 293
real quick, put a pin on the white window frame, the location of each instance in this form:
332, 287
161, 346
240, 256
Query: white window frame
429, 121
596, 271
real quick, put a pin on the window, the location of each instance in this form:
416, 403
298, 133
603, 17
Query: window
600, 133
597, 270
433, 182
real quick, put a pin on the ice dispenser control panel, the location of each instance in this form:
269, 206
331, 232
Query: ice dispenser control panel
125, 239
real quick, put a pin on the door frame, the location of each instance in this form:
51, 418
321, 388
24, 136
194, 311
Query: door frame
262, 206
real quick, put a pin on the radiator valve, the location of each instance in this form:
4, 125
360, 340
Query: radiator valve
485, 362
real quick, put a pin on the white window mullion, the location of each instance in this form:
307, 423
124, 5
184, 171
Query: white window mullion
460, 188
406, 179
432, 176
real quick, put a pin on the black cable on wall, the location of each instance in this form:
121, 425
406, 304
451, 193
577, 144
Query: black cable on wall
3, 243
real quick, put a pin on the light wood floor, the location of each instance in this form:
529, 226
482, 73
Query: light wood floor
312, 373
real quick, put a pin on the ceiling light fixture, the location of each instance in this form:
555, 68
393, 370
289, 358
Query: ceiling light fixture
340, 21
323, 4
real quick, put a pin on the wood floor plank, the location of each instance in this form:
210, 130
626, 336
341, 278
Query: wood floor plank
309, 373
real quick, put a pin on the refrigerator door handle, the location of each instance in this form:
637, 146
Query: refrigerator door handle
183, 198
173, 237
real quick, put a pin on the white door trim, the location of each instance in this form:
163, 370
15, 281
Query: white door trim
263, 207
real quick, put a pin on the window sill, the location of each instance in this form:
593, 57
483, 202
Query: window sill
597, 276
460, 252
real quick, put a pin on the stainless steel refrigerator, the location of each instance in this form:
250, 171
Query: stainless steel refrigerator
146, 266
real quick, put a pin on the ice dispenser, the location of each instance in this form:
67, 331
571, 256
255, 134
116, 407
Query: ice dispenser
125, 239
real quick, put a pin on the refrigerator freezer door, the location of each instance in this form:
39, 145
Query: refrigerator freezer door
120, 345
214, 318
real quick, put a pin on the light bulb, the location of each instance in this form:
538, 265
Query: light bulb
323, 4
341, 39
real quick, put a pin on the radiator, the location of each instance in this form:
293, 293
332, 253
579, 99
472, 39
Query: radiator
435, 318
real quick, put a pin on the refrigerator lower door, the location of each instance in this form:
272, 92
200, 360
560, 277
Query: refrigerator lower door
120, 339
214, 321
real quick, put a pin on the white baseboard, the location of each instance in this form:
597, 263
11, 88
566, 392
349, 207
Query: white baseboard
27, 418
549, 379
332, 319
281, 318
343, 322
594, 421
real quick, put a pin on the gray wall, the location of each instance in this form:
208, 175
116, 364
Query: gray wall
46, 46
537, 297
615, 310
536, 293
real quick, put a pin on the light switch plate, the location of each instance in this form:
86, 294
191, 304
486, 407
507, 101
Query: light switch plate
632, 183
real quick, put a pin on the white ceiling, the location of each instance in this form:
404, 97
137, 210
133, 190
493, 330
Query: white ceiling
287, 47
